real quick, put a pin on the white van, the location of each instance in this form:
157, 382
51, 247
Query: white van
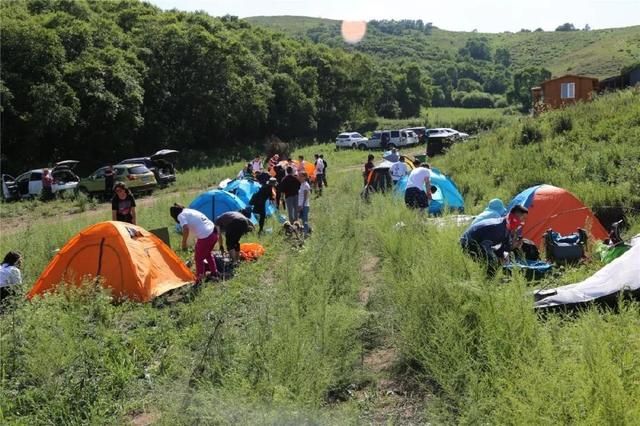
392, 138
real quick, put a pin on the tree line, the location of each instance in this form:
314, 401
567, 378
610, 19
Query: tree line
475, 76
99, 81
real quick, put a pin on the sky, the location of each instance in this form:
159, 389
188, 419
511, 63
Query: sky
455, 15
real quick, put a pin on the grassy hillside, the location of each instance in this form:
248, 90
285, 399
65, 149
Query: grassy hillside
379, 318
600, 53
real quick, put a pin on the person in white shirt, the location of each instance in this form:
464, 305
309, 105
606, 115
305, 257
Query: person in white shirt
398, 170
256, 165
10, 274
304, 193
319, 165
418, 190
192, 221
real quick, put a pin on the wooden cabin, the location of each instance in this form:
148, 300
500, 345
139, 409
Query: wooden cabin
565, 90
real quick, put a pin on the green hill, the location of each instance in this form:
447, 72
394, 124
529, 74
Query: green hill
600, 53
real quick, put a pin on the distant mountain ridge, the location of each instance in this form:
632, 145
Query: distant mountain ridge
598, 53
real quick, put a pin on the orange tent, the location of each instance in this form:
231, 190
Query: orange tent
556, 208
131, 261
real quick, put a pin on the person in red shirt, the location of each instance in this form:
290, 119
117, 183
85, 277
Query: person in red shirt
368, 166
47, 185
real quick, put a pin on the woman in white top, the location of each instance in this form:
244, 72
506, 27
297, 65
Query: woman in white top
10, 274
193, 221
304, 194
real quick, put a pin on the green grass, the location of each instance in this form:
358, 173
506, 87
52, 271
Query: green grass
286, 340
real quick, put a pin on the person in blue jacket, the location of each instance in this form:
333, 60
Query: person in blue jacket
487, 240
495, 209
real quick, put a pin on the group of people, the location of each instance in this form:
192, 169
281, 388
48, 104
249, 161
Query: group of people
418, 191
491, 236
232, 225
287, 182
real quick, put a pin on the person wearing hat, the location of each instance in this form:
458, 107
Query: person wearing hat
259, 201
487, 241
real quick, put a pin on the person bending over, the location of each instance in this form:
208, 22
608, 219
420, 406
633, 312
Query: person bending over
193, 221
233, 225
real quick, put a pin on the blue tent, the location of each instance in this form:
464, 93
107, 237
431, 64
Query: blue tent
244, 190
215, 202
446, 196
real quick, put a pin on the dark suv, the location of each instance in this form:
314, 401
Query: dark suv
159, 164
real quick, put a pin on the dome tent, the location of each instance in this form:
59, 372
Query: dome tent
558, 209
244, 189
446, 195
133, 263
215, 202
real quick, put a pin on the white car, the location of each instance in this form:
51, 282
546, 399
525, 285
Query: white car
445, 131
351, 140
29, 184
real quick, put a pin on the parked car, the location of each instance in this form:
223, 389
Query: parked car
351, 140
421, 133
392, 139
9, 188
160, 164
445, 131
138, 177
29, 184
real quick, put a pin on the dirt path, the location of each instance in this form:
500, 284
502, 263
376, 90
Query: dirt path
389, 399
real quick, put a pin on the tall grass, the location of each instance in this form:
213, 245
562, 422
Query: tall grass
283, 341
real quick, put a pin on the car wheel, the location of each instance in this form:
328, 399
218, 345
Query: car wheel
391, 145
362, 146
354, 146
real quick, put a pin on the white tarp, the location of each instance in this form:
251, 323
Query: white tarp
621, 274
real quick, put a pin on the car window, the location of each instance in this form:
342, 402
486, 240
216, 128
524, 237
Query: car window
23, 177
99, 173
36, 176
357, 135
138, 170
119, 170
395, 133
375, 136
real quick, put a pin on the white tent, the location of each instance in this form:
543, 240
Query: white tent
621, 275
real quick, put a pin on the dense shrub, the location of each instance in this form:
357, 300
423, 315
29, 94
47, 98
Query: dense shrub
529, 133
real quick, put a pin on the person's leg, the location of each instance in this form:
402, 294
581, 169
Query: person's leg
200, 255
233, 241
304, 216
292, 208
262, 217
319, 180
324, 179
209, 242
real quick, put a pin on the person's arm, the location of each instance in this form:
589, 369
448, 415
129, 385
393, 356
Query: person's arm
133, 215
185, 236
427, 186
114, 214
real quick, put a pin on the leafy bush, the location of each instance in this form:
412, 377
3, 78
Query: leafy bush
477, 100
562, 122
529, 133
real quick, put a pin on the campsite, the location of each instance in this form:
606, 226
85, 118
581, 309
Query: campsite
378, 316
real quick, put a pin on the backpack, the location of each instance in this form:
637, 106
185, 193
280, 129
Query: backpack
325, 163
565, 249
